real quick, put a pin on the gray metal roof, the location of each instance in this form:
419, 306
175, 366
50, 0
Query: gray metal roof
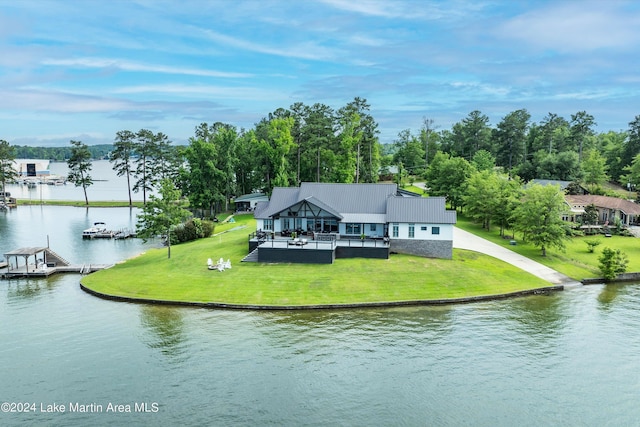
422, 210
350, 198
281, 199
365, 218
368, 203
252, 196
29, 251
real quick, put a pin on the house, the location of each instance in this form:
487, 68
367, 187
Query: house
350, 220
31, 167
248, 202
563, 184
608, 208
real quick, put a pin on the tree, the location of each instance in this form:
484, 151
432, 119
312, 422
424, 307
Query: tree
366, 131
581, 124
318, 134
470, 135
539, 217
447, 176
632, 145
510, 138
164, 161
553, 131
595, 169
202, 180
275, 143
161, 214
429, 138
592, 244
123, 150
612, 147
508, 198
483, 160
409, 152
146, 149
7, 171
79, 167
612, 263
350, 139
481, 197
631, 180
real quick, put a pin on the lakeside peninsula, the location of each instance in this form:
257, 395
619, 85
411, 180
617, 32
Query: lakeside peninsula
401, 279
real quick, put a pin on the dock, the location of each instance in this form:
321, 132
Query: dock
41, 262
109, 234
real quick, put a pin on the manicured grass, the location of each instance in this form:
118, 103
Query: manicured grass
78, 203
414, 188
575, 261
185, 276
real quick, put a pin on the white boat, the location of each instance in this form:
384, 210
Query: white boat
98, 228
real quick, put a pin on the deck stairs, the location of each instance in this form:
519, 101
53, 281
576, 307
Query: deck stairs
252, 257
53, 257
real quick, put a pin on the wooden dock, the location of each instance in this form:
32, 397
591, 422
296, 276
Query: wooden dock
39, 272
41, 262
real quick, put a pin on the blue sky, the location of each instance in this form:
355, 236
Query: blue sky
87, 69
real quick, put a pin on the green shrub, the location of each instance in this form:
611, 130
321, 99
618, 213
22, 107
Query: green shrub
612, 263
591, 244
191, 230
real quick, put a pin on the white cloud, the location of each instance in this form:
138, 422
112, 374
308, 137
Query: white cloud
575, 27
139, 67
207, 91
305, 50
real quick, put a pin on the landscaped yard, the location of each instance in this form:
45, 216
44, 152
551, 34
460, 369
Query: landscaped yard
575, 261
185, 276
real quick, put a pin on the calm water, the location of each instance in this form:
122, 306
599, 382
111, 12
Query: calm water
107, 186
571, 359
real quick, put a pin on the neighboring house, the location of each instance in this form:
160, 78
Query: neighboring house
31, 167
608, 209
351, 220
563, 184
248, 202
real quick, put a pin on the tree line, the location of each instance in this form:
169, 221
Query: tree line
317, 143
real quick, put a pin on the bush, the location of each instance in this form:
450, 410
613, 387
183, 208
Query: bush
191, 230
591, 244
612, 263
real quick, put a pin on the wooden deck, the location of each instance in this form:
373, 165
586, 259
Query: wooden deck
33, 271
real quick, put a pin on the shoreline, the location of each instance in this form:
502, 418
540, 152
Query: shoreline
219, 305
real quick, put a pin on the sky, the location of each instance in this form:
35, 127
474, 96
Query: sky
84, 70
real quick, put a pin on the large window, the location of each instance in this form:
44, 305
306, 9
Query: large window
412, 231
435, 230
268, 224
396, 230
353, 228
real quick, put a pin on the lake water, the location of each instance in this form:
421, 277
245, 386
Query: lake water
571, 358
107, 186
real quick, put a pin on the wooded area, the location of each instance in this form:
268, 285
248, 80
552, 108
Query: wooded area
316, 143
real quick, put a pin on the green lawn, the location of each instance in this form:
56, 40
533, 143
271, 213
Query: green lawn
185, 276
78, 203
575, 261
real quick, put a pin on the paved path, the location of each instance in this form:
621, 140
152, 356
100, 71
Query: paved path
465, 240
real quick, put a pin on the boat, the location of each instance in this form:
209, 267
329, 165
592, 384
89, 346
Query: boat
98, 229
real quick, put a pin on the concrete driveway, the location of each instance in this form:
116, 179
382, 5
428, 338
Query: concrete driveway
465, 240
